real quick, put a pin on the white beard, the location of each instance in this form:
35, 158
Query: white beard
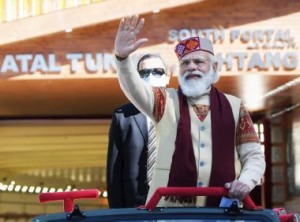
196, 87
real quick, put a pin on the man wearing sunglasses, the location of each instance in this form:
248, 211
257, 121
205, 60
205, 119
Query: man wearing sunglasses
127, 183
206, 138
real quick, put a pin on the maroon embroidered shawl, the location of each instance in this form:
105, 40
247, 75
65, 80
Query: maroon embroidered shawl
183, 172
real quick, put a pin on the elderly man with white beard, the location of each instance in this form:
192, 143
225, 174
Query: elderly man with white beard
205, 137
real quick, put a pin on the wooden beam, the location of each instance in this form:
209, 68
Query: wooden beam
35, 148
96, 161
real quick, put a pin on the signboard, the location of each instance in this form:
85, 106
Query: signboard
238, 52
248, 50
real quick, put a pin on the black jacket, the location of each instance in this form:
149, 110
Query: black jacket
127, 158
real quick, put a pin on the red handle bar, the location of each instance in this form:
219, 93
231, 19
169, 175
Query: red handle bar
68, 197
193, 191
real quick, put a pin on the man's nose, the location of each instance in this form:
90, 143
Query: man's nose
192, 66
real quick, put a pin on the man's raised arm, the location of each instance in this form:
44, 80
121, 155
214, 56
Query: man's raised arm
126, 42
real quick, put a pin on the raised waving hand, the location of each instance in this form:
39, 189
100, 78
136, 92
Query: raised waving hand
126, 40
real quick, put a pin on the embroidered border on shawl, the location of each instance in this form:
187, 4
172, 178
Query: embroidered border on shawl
245, 130
159, 102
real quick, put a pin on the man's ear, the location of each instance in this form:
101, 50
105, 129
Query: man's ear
216, 73
168, 77
215, 66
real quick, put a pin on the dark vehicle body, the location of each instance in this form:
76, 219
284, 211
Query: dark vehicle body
150, 213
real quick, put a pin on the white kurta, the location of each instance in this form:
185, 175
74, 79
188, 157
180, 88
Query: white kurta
141, 95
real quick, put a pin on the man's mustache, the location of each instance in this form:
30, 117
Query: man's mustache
196, 72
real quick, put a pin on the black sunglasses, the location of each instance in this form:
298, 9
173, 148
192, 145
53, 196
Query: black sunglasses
155, 71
